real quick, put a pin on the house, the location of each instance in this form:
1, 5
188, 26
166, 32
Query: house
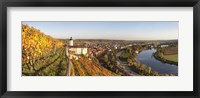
78, 50
163, 46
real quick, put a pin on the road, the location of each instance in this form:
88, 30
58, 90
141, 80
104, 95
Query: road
124, 66
68, 63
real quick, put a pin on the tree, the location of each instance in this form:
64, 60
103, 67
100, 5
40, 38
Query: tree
117, 71
133, 57
142, 68
149, 70
113, 58
161, 55
108, 63
155, 74
129, 61
117, 63
106, 58
161, 50
129, 50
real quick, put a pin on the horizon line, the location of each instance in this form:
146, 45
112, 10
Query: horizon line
119, 39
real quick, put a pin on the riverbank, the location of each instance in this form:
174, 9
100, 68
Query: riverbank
124, 66
135, 67
164, 60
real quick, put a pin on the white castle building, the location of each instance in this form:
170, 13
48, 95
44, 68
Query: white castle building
75, 51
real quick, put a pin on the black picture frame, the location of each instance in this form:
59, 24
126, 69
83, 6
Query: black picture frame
99, 3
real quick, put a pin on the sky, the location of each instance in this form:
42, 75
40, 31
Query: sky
126, 30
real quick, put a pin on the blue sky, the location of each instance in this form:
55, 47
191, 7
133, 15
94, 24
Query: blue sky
109, 30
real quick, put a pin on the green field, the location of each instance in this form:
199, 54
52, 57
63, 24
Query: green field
125, 55
171, 57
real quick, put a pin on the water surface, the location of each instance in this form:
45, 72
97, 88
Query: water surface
146, 57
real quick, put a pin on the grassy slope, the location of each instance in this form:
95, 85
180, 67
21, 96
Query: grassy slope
171, 54
171, 57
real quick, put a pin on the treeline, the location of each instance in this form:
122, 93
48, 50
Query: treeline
142, 69
110, 62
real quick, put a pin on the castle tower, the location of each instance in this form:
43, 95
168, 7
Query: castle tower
71, 42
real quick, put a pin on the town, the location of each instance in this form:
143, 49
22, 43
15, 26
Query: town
116, 55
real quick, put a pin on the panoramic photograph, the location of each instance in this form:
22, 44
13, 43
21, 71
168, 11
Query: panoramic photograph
99, 48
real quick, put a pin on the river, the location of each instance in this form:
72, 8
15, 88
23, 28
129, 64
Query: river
146, 57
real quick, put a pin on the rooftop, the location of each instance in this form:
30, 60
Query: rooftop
77, 47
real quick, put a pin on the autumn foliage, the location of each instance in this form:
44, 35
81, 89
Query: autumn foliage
85, 67
36, 47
